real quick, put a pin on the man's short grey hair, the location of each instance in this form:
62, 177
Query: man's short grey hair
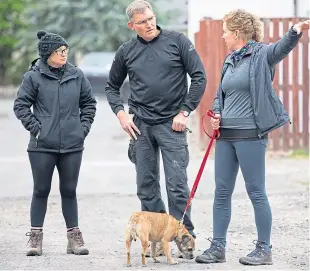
137, 6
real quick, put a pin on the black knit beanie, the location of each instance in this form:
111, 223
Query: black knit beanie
48, 43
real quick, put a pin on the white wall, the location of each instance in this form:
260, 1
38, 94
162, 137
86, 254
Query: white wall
198, 9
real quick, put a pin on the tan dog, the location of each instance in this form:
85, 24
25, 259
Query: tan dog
158, 227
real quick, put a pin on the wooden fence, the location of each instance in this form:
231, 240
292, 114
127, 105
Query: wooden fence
291, 79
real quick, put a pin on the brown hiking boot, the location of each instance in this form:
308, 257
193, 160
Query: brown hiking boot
35, 243
159, 250
76, 243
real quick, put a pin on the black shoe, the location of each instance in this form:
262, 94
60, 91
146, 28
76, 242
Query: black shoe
261, 255
214, 254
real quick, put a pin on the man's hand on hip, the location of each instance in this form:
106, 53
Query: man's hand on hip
127, 124
179, 122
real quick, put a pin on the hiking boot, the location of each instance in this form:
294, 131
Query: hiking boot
35, 243
76, 243
261, 255
159, 250
214, 254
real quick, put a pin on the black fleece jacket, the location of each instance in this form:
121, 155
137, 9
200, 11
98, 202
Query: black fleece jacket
157, 73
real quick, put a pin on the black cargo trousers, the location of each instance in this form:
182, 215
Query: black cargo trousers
144, 153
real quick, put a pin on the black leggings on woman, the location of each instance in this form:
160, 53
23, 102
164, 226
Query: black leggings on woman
43, 165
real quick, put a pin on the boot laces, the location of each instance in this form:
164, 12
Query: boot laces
213, 248
79, 238
34, 239
258, 251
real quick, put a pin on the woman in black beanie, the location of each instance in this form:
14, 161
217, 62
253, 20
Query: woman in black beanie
64, 109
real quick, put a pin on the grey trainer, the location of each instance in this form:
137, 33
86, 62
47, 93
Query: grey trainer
35, 243
214, 254
76, 243
261, 255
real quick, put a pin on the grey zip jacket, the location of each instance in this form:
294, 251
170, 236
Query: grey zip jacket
269, 112
63, 109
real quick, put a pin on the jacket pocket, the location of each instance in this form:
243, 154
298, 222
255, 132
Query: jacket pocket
48, 137
274, 107
72, 133
82, 128
37, 138
279, 108
267, 113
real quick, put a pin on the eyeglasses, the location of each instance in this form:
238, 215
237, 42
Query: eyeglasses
150, 19
62, 51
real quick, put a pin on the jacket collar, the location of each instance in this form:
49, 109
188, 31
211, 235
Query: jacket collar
247, 49
146, 42
38, 64
251, 48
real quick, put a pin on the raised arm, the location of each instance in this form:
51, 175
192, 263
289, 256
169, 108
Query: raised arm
279, 50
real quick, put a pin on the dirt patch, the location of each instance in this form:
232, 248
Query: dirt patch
103, 219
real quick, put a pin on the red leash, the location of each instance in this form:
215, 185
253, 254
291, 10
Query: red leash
214, 136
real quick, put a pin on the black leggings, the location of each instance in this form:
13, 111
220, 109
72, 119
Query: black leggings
68, 166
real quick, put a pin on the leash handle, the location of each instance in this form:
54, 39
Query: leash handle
216, 133
214, 136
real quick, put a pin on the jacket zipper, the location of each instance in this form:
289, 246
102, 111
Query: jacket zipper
252, 97
59, 115
59, 81
37, 138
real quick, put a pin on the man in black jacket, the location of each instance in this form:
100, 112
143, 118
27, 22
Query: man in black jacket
157, 62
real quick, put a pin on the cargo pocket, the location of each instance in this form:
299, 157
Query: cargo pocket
186, 156
182, 156
132, 151
182, 149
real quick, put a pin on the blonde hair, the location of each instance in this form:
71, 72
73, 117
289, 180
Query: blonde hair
137, 6
249, 25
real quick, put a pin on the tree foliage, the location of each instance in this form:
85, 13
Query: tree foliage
10, 23
87, 25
